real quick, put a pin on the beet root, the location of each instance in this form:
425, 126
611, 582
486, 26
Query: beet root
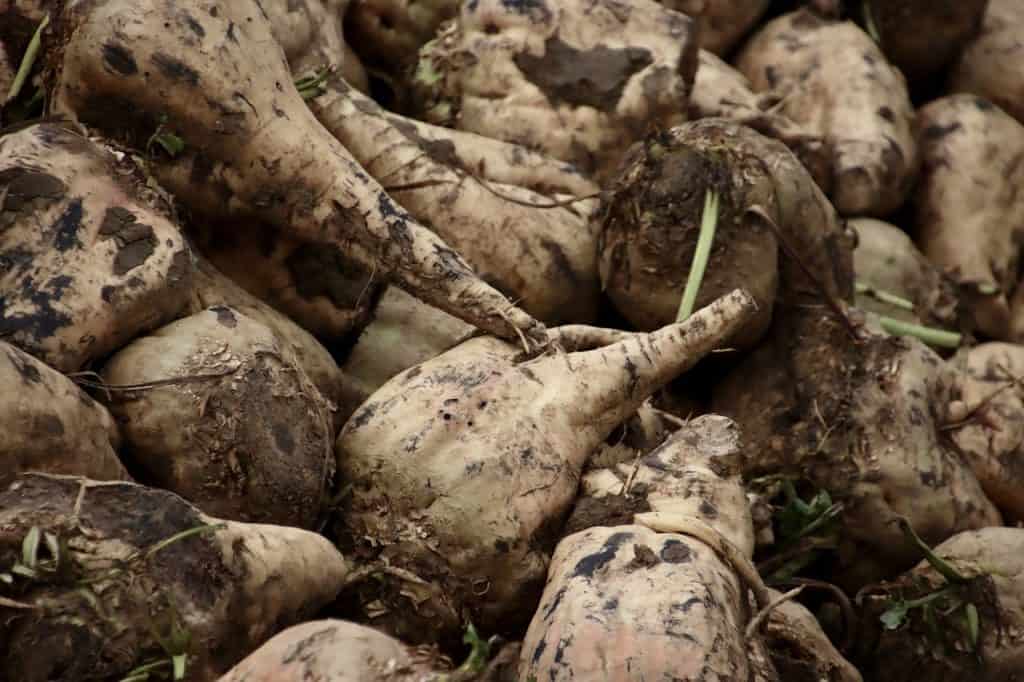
862, 421
865, 114
942, 648
90, 258
50, 425
578, 80
968, 211
605, 612
519, 239
990, 64
215, 408
463, 467
134, 564
213, 76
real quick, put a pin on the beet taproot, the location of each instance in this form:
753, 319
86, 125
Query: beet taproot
578, 80
989, 64
463, 467
830, 77
51, 425
136, 565
212, 75
216, 408
89, 257
968, 213
517, 237
721, 24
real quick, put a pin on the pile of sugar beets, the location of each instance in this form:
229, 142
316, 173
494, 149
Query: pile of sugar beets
528, 340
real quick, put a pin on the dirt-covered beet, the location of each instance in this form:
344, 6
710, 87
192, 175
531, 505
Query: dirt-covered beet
528, 239
968, 211
886, 261
88, 259
831, 77
247, 146
945, 647
216, 408
986, 422
652, 219
576, 79
650, 224
129, 565
606, 614
211, 288
333, 651
50, 425
922, 37
990, 64
463, 467
861, 417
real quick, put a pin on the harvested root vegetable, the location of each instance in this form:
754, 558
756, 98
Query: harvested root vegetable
722, 91
577, 79
88, 259
887, 265
990, 64
463, 467
310, 33
388, 33
537, 252
208, 80
331, 651
124, 566
865, 115
922, 37
606, 612
324, 291
216, 408
800, 650
51, 425
404, 332
862, 421
721, 24
987, 424
951, 645
340, 651
969, 221
646, 254
211, 288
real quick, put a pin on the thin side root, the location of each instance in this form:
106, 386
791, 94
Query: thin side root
758, 620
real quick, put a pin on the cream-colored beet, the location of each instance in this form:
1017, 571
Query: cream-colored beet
91, 259
230, 586
459, 464
833, 79
252, 148
51, 425
226, 418
968, 210
576, 79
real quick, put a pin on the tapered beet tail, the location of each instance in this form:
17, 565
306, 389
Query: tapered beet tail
611, 382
